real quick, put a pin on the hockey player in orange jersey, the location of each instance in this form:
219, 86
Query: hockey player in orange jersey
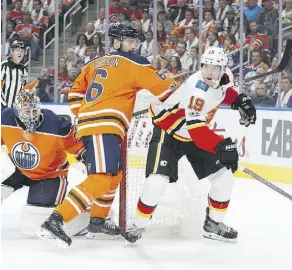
37, 142
103, 98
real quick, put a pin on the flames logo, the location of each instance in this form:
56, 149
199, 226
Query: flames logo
25, 155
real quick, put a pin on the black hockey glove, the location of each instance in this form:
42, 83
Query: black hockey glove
246, 109
228, 154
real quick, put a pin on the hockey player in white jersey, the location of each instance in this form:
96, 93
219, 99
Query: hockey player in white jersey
181, 128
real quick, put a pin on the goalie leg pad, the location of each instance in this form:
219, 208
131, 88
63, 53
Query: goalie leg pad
6, 191
7, 166
154, 188
219, 196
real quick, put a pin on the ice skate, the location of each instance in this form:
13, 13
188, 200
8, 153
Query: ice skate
101, 225
134, 233
52, 232
218, 230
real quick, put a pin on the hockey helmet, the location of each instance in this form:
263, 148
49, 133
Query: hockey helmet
27, 108
214, 56
121, 30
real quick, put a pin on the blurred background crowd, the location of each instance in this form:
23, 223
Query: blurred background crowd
183, 33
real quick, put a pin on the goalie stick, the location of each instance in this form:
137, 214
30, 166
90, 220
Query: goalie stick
283, 64
266, 182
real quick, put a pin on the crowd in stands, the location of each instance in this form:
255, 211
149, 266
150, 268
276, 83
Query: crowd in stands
177, 32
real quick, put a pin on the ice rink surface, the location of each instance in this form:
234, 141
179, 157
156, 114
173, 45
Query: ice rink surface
262, 217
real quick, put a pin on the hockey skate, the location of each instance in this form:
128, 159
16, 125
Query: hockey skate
218, 230
101, 225
52, 232
133, 234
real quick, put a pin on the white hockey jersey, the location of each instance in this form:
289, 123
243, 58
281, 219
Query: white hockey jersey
187, 112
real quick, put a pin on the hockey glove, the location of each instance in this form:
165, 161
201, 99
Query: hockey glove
228, 154
246, 110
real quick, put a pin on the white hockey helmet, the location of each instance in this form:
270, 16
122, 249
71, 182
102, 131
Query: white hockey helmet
214, 56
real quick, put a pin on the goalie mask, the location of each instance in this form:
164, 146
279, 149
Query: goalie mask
17, 50
27, 109
214, 62
123, 38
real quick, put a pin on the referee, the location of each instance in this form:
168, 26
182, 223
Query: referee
13, 74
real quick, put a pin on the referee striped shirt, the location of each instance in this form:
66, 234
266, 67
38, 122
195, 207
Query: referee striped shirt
13, 77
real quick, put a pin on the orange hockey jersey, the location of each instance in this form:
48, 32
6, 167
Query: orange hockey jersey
103, 96
42, 154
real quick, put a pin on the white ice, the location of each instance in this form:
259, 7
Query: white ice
262, 217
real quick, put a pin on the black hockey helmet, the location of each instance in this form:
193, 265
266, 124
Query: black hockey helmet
16, 43
121, 30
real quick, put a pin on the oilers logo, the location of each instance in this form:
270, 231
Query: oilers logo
25, 155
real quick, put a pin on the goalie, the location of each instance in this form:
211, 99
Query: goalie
181, 128
37, 142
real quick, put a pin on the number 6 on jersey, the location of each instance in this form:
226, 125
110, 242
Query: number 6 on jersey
96, 88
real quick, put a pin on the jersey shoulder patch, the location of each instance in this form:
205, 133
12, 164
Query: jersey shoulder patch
202, 85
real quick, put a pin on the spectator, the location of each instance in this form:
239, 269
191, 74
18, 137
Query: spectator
100, 23
212, 40
161, 34
258, 39
221, 13
81, 45
286, 92
256, 61
28, 5
90, 33
80, 64
182, 55
269, 17
287, 13
252, 11
39, 16
17, 14
115, 9
124, 18
45, 89
169, 49
70, 58
145, 20
207, 23
187, 21
30, 34
10, 35
134, 11
167, 24
137, 25
230, 46
191, 38
91, 53
147, 46
261, 98
66, 86
174, 66
98, 45
210, 8
193, 56
178, 14
231, 23
63, 71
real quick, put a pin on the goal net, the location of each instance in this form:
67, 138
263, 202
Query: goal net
181, 211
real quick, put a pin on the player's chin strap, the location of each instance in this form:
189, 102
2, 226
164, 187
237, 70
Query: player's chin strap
265, 182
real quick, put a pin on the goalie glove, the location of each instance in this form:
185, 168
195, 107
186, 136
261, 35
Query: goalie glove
246, 110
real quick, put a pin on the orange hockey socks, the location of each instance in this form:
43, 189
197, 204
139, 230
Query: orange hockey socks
101, 206
81, 197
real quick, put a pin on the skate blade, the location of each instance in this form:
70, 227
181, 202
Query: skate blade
48, 237
214, 236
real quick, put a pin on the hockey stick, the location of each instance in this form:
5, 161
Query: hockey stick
283, 64
265, 182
